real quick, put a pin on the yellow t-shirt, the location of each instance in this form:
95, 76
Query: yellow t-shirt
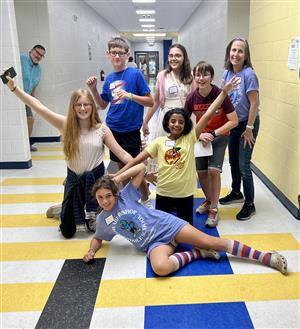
176, 165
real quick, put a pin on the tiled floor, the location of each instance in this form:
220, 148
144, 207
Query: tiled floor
46, 285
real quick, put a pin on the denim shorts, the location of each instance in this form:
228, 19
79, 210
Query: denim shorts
215, 161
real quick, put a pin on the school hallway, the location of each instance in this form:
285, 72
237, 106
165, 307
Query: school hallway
45, 283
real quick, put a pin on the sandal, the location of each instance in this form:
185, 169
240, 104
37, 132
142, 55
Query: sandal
279, 262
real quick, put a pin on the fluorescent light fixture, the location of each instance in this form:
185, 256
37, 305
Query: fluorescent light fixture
143, 1
148, 30
145, 12
147, 20
147, 25
149, 34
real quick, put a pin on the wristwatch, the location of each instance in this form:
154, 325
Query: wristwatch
250, 127
213, 133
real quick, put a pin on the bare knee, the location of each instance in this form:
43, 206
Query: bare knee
161, 268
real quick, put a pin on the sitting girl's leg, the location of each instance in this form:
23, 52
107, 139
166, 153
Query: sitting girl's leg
164, 261
189, 234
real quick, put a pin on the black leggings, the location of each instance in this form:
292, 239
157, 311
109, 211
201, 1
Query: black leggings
182, 207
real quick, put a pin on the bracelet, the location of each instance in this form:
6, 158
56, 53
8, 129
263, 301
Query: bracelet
130, 96
250, 127
12, 90
213, 133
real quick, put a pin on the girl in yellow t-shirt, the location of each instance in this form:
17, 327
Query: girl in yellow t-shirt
176, 176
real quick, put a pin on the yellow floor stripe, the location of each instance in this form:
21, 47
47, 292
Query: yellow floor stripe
200, 194
228, 213
31, 198
47, 157
50, 149
33, 181
271, 241
198, 289
24, 297
28, 220
48, 250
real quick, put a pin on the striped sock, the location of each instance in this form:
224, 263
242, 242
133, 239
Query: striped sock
180, 259
239, 249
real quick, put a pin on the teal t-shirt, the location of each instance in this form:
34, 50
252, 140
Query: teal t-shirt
31, 73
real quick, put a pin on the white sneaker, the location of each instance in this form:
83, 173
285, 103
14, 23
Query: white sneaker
54, 211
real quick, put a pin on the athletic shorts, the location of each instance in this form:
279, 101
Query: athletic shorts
215, 161
130, 141
28, 111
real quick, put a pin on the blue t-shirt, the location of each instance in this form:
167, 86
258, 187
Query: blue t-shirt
31, 73
145, 228
124, 115
238, 96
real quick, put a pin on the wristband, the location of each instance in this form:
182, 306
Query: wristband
250, 127
14, 88
130, 96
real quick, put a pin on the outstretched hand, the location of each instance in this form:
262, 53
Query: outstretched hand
10, 84
232, 84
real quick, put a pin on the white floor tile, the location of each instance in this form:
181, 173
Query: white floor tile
19, 320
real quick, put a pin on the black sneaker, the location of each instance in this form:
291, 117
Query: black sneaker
232, 197
246, 212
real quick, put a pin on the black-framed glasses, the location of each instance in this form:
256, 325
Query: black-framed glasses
40, 54
119, 53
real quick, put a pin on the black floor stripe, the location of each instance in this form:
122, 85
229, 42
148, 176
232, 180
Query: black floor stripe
72, 300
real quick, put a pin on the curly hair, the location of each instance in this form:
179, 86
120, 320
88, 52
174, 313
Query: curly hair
188, 124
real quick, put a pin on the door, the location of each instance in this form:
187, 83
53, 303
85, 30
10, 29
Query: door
148, 63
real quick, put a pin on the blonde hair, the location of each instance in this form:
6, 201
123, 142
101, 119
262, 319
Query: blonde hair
71, 130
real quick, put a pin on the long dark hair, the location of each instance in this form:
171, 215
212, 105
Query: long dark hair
247, 62
185, 75
188, 124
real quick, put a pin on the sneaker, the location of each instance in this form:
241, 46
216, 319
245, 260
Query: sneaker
33, 148
90, 221
54, 211
80, 228
203, 208
279, 262
232, 197
209, 253
246, 212
147, 204
212, 219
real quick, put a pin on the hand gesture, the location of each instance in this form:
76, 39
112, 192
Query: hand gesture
232, 84
92, 82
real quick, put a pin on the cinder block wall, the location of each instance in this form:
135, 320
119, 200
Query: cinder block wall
277, 156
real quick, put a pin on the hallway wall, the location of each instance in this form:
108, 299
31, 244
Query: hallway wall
277, 154
69, 30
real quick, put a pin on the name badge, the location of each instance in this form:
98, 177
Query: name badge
170, 143
109, 219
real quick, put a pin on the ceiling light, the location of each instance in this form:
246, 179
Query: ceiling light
143, 1
149, 34
145, 12
147, 19
148, 30
147, 25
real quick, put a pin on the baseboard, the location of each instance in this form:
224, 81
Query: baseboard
279, 195
51, 139
16, 165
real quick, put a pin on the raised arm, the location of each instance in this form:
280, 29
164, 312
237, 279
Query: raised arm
55, 119
151, 110
92, 84
138, 159
146, 100
136, 173
202, 123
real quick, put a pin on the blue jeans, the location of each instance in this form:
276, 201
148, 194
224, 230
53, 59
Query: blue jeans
240, 158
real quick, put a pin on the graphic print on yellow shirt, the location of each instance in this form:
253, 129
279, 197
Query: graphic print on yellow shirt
173, 156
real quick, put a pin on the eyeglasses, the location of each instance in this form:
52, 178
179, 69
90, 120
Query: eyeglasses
78, 106
40, 54
176, 56
203, 76
119, 53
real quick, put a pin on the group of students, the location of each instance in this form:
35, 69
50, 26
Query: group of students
156, 231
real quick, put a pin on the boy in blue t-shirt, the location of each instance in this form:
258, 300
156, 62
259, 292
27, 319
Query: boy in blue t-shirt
127, 92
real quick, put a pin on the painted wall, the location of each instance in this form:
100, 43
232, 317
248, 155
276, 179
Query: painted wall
13, 124
277, 153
